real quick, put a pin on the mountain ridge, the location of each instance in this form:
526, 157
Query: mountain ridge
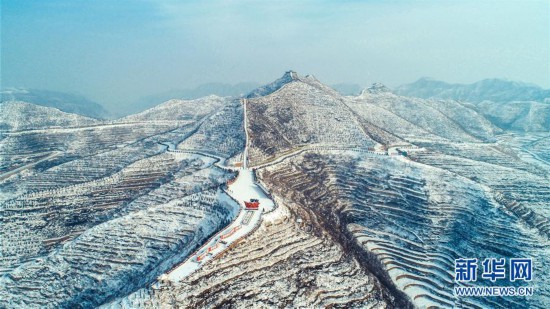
66, 102
492, 89
17, 115
376, 196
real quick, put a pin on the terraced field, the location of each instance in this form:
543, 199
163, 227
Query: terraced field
119, 256
376, 196
113, 209
284, 263
302, 112
408, 222
521, 188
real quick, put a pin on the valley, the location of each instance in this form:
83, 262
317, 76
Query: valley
363, 202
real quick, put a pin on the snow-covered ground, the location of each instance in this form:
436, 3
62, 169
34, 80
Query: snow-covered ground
246, 188
242, 189
26, 166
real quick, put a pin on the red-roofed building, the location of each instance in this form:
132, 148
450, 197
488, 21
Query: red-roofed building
253, 204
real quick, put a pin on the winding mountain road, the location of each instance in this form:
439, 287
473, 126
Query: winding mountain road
243, 188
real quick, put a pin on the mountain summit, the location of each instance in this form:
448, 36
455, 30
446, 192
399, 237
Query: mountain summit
375, 198
377, 88
288, 77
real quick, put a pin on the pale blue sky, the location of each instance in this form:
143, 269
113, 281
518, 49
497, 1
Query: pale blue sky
115, 51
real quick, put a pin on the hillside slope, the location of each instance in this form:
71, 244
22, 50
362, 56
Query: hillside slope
496, 90
509, 105
67, 102
376, 195
302, 112
16, 116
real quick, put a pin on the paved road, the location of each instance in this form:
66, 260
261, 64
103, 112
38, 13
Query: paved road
242, 189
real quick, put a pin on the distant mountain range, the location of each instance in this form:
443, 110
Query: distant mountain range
219, 89
496, 90
66, 102
509, 105
377, 195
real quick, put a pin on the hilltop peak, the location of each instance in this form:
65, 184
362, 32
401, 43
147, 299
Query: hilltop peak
287, 78
376, 88
290, 74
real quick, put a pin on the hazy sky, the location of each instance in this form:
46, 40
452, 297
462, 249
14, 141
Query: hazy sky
115, 51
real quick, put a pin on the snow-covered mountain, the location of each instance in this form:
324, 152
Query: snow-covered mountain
177, 109
519, 116
509, 105
496, 90
299, 111
16, 115
414, 118
377, 194
67, 102
219, 89
288, 77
